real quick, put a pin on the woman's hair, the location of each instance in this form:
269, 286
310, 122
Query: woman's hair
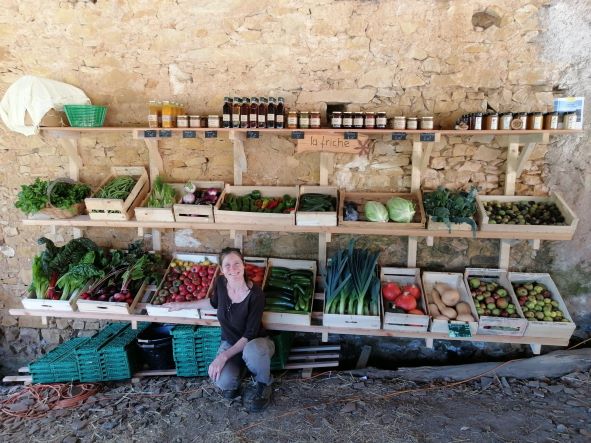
228, 251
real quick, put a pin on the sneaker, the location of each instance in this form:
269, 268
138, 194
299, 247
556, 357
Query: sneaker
259, 398
230, 394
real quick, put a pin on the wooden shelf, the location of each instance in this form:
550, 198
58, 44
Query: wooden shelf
378, 229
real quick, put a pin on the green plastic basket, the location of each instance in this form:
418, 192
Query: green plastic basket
85, 116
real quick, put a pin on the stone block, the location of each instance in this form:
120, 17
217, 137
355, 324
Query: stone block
51, 335
485, 153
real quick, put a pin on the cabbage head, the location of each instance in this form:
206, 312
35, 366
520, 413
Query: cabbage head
375, 212
400, 210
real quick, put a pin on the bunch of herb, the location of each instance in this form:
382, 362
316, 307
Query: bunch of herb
32, 198
448, 207
162, 196
65, 195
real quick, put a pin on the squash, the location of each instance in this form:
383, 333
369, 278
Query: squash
451, 297
463, 308
441, 317
433, 309
465, 317
444, 310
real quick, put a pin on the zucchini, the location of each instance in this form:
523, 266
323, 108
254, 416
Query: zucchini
276, 302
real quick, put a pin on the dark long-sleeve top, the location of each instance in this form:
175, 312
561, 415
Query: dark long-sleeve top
238, 319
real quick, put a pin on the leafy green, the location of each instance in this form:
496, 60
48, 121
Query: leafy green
162, 196
56, 259
32, 198
65, 195
40, 282
450, 207
400, 210
78, 275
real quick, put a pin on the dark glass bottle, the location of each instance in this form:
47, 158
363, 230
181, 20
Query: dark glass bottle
244, 111
254, 113
227, 112
271, 113
262, 112
279, 117
236, 112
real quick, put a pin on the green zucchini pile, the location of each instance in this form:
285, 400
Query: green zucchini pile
289, 290
317, 203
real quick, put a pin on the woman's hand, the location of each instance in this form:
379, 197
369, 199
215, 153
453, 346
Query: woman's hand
216, 366
175, 306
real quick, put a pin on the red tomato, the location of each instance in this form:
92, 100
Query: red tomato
390, 291
413, 290
406, 301
416, 312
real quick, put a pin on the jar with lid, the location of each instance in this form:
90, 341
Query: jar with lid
358, 120
476, 121
166, 114
412, 123
213, 121
535, 120
551, 120
304, 120
315, 120
505, 119
154, 114
491, 121
399, 122
569, 120
182, 121
381, 120
523, 117
426, 122
292, 119
347, 119
336, 120
194, 121
370, 120
236, 103
244, 112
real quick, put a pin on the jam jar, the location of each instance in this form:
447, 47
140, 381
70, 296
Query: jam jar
412, 123
491, 121
347, 119
399, 122
336, 120
381, 120
551, 120
304, 120
314, 120
370, 120
358, 120
292, 120
426, 122
535, 120
505, 119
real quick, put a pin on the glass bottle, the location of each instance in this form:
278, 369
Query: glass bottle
254, 113
279, 113
227, 112
236, 112
262, 112
271, 113
292, 119
166, 114
155, 114
244, 111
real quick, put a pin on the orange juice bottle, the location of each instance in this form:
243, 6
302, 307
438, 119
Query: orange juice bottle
167, 114
154, 114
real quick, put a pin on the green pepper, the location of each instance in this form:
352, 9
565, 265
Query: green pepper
256, 194
279, 208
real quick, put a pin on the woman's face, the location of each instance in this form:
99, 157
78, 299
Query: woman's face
233, 268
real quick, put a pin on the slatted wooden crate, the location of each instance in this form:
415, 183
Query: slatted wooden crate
360, 198
456, 281
394, 321
440, 226
145, 213
256, 218
44, 304
111, 307
118, 209
536, 328
184, 212
316, 218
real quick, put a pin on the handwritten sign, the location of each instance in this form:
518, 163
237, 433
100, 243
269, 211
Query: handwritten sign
459, 330
335, 143
165, 134
211, 134
189, 134
427, 137
297, 135
399, 136
151, 134
252, 134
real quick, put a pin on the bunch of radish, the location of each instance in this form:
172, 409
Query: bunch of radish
402, 299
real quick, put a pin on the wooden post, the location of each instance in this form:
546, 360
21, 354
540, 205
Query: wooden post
411, 260
156, 163
156, 245
536, 348
429, 343
322, 240
77, 233
504, 254
417, 159
70, 145
239, 156
326, 166
511, 169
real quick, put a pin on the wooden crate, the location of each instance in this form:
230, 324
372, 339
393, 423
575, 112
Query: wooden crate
49, 305
570, 217
440, 226
536, 328
117, 209
404, 322
298, 317
318, 218
455, 280
362, 197
196, 213
144, 213
111, 307
256, 218
489, 325
162, 311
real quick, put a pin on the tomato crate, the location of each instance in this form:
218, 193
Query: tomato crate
119, 209
493, 325
58, 365
398, 321
190, 259
192, 213
455, 281
570, 219
113, 307
256, 218
317, 218
537, 328
145, 213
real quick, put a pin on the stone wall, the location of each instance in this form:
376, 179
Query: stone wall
433, 57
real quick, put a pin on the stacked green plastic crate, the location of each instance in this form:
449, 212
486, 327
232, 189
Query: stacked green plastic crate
58, 365
194, 348
282, 342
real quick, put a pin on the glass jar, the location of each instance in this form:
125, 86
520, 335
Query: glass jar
517, 123
412, 123
358, 120
154, 114
399, 122
347, 119
535, 120
381, 120
569, 120
292, 120
213, 121
523, 117
426, 122
551, 120
336, 120
505, 121
370, 120
491, 121
315, 120
476, 121
182, 121
304, 120
194, 121
167, 114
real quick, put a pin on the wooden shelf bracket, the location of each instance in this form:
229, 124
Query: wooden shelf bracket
240, 164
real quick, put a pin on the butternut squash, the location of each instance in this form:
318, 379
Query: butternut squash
463, 308
451, 297
444, 310
465, 317
442, 287
433, 309
441, 317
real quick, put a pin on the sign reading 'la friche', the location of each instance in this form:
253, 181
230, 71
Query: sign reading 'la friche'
362, 145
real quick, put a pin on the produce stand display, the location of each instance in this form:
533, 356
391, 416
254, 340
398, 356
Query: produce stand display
192, 213
401, 321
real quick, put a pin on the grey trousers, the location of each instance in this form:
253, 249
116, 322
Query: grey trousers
256, 355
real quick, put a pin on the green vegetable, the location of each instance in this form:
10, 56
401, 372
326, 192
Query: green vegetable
78, 275
450, 207
375, 212
33, 198
317, 203
400, 210
162, 196
118, 188
40, 282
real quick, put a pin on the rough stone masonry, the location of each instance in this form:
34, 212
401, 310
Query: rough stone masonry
433, 57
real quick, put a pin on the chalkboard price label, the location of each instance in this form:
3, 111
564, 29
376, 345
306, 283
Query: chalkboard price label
252, 134
211, 134
399, 136
427, 137
458, 330
350, 136
297, 135
150, 134
165, 134
189, 134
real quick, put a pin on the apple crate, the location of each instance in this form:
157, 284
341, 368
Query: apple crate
111, 307
196, 213
44, 304
360, 198
256, 218
145, 213
454, 280
404, 322
296, 317
489, 325
159, 310
536, 328
211, 314
318, 218
570, 219
118, 209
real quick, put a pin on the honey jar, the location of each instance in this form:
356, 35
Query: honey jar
491, 121
551, 120
399, 122
534, 120
505, 120
314, 120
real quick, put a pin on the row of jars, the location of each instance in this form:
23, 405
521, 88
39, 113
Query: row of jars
164, 114
253, 112
519, 120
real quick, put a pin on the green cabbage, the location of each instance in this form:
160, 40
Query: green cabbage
400, 210
375, 212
